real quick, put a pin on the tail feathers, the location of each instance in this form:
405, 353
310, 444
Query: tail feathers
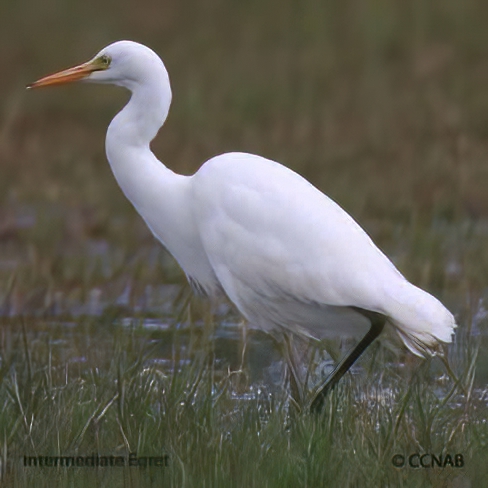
421, 320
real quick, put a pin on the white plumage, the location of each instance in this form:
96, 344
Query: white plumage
284, 253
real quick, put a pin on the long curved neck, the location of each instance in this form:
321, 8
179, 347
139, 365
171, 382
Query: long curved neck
140, 120
154, 190
163, 198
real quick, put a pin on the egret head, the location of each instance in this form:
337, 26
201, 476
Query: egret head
123, 63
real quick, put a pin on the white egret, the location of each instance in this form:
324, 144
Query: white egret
286, 255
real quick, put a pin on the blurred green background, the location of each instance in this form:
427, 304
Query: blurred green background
382, 104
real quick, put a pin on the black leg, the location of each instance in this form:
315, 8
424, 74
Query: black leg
377, 324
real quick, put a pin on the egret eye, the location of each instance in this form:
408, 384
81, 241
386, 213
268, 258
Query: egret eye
105, 60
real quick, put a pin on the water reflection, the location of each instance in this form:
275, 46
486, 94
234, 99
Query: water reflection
87, 346
80, 333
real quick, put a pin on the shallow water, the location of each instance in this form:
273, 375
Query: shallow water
78, 297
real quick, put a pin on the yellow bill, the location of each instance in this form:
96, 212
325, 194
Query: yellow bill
73, 74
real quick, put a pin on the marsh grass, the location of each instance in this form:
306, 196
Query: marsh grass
381, 103
122, 398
